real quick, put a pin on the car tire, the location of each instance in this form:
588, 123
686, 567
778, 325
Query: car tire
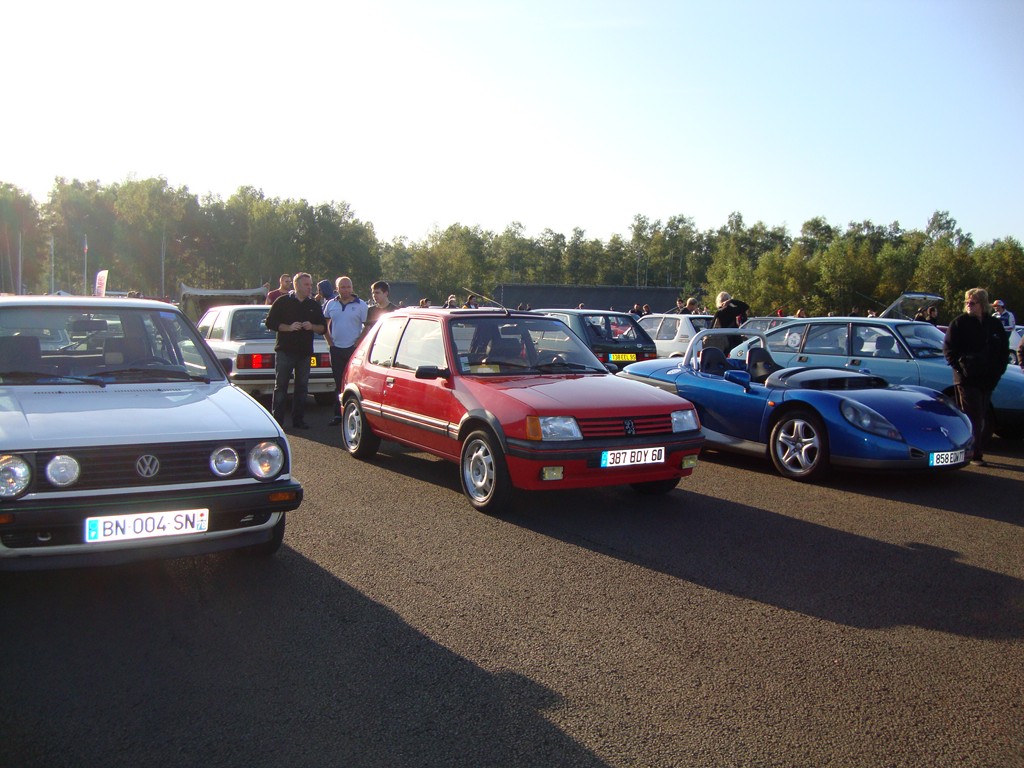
799, 445
356, 434
656, 487
267, 548
484, 473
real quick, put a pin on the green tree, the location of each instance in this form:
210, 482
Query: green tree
24, 256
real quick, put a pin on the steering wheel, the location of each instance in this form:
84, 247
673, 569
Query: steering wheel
150, 361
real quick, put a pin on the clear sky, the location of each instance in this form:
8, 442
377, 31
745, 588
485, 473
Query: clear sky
554, 114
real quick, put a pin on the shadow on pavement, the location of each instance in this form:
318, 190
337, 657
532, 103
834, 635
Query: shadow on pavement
265, 662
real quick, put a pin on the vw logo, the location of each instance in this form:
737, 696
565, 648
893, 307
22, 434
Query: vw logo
630, 426
147, 466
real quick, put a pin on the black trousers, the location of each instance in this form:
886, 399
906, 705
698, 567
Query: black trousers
339, 359
974, 401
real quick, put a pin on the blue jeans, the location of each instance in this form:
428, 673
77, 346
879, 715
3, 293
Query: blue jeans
286, 364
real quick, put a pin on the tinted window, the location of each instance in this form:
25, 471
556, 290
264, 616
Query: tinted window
249, 324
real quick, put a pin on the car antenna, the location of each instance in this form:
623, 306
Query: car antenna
489, 299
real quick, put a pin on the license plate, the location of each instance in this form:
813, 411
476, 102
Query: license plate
945, 458
631, 356
632, 457
146, 525
313, 361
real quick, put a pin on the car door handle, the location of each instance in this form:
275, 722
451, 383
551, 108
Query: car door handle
389, 381
855, 361
801, 358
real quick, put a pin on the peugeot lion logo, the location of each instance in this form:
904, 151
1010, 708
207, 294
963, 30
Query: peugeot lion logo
147, 466
630, 426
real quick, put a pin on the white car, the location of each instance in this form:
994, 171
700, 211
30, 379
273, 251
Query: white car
128, 442
238, 332
672, 333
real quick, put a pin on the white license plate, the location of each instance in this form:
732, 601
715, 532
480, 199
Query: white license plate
632, 457
946, 458
146, 525
622, 357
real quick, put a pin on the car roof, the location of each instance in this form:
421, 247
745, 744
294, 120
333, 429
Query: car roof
673, 314
91, 302
575, 311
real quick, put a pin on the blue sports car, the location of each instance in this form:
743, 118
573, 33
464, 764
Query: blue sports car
808, 419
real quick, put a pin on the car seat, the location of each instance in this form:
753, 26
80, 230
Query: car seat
884, 346
857, 345
712, 360
121, 350
505, 352
760, 364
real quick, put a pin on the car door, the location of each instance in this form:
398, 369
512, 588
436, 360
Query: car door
883, 353
823, 345
371, 375
784, 343
420, 409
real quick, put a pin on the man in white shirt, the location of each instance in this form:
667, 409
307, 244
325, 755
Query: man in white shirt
1005, 316
346, 315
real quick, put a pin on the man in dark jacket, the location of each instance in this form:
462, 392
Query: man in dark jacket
977, 349
294, 317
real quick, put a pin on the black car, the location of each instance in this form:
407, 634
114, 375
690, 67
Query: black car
615, 337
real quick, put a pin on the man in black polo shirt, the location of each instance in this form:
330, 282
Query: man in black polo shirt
295, 317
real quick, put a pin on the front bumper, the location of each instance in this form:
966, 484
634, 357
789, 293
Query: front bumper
49, 532
580, 461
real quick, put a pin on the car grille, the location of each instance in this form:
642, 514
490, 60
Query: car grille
117, 466
617, 426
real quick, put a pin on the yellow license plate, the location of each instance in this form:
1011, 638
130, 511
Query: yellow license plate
313, 362
622, 356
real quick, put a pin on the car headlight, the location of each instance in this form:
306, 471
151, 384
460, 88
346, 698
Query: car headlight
552, 428
685, 421
266, 460
15, 476
871, 421
224, 461
63, 470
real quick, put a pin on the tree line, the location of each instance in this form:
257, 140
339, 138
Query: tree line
152, 237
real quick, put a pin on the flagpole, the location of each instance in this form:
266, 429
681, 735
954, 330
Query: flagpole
85, 264
51, 263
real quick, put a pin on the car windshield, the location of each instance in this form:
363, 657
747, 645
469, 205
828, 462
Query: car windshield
519, 345
83, 343
923, 339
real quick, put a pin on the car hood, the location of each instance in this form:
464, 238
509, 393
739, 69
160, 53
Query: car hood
56, 416
574, 394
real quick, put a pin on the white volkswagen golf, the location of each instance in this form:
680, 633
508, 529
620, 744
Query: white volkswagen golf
121, 439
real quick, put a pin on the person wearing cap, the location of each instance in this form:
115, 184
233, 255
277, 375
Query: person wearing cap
1005, 316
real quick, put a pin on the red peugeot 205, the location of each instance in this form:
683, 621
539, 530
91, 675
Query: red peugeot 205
517, 400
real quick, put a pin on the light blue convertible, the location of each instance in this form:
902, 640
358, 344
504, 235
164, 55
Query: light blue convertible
808, 419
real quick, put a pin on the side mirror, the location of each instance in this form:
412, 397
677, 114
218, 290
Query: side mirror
738, 377
227, 364
432, 372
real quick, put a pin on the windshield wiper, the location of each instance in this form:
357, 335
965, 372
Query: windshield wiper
556, 366
156, 373
39, 378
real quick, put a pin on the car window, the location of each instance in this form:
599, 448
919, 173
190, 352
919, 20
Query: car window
206, 323
875, 341
383, 350
650, 324
700, 323
787, 339
923, 339
825, 339
218, 328
519, 345
668, 330
421, 344
248, 324
623, 327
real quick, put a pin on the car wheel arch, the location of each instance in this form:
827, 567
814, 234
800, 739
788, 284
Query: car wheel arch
480, 419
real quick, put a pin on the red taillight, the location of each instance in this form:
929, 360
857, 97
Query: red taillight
257, 361
323, 360
648, 356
